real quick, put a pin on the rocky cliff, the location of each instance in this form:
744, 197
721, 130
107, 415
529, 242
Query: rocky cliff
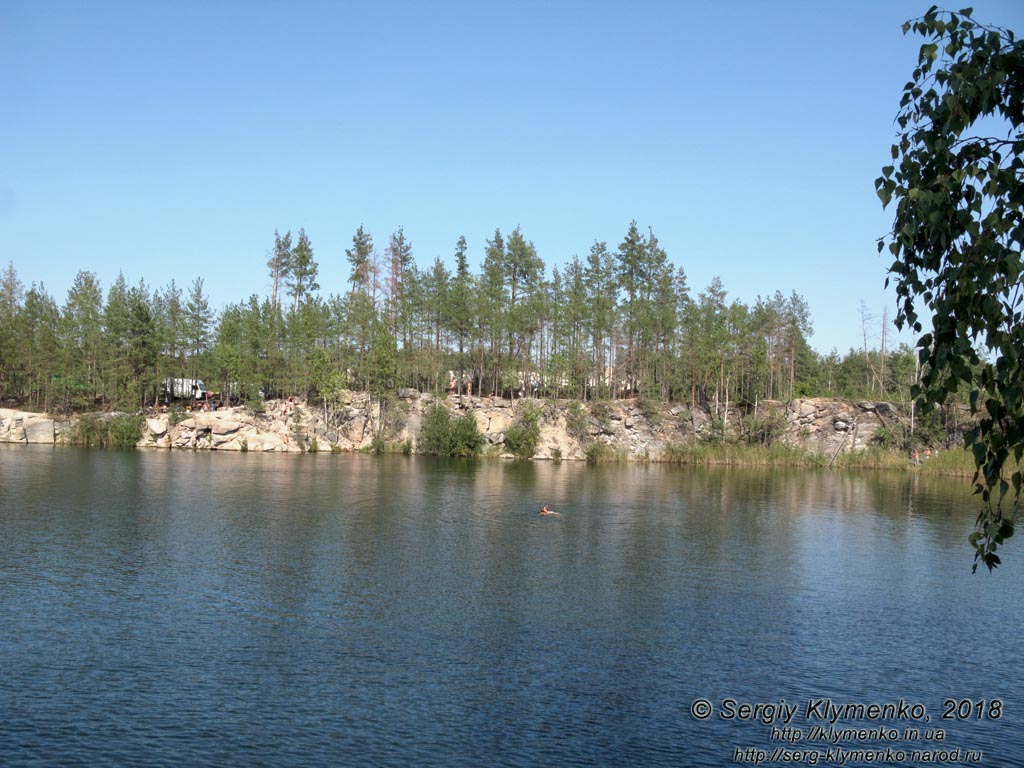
630, 429
31, 428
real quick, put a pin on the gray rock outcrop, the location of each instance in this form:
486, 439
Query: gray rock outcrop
631, 429
25, 427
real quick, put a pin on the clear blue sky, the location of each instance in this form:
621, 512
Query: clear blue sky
169, 140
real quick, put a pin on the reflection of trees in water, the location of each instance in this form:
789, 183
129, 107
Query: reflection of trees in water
384, 529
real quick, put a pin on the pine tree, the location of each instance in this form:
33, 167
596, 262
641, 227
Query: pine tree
11, 293
10, 302
115, 337
360, 311
280, 263
601, 297
303, 272
381, 370
401, 286
173, 343
493, 311
654, 310
460, 305
360, 260
798, 328
39, 327
523, 273
577, 324
632, 276
198, 318
82, 321
142, 344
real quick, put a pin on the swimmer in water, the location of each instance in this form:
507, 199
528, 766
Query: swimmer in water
545, 511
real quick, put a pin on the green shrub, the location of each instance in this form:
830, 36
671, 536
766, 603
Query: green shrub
929, 430
90, 431
887, 437
465, 439
121, 431
521, 438
765, 429
443, 436
124, 431
529, 411
649, 409
577, 421
435, 435
596, 452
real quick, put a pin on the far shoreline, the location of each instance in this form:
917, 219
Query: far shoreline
809, 433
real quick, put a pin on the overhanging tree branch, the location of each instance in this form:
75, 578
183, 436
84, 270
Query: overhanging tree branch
956, 243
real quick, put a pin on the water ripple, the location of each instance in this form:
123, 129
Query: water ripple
260, 610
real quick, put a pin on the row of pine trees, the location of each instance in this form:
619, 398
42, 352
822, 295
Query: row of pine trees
618, 323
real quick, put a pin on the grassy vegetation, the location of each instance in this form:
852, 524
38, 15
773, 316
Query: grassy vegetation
740, 455
873, 458
599, 453
955, 462
958, 462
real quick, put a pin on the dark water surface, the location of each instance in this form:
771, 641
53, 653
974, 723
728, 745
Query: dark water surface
163, 608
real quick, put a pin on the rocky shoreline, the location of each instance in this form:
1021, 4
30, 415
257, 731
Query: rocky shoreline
629, 429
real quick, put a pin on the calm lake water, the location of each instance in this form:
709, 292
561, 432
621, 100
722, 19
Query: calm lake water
162, 608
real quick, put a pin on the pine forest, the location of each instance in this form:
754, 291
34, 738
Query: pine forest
621, 322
